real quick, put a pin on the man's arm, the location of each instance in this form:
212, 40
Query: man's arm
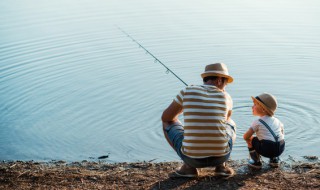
229, 106
172, 112
169, 117
229, 115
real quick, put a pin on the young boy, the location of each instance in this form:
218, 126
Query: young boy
269, 140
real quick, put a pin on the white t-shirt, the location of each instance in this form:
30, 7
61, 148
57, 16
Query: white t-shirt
262, 131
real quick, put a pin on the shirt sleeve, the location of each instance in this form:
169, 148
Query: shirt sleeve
255, 125
179, 97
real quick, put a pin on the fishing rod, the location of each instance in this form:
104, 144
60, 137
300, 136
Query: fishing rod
148, 52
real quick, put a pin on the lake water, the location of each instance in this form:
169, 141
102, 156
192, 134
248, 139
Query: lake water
74, 87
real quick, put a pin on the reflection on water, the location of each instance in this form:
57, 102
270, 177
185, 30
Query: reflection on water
73, 87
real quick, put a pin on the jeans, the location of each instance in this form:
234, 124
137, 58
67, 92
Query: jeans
175, 134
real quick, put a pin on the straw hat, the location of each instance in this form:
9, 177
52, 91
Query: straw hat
267, 101
217, 69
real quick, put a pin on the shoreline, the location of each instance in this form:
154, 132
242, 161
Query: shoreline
148, 175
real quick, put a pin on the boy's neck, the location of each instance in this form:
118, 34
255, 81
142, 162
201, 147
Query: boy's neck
265, 115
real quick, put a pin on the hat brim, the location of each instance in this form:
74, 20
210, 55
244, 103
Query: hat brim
230, 79
270, 112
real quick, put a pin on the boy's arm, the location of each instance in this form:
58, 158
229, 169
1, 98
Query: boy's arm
248, 136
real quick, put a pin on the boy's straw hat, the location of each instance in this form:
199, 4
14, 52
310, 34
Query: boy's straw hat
267, 101
217, 69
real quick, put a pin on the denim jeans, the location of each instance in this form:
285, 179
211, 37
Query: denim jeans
175, 134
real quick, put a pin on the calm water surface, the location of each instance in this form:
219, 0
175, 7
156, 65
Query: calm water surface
73, 87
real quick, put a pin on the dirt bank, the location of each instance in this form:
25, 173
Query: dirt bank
146, 175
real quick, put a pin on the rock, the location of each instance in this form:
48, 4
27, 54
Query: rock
103, 157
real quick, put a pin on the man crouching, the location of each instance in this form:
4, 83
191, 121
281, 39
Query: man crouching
208, 133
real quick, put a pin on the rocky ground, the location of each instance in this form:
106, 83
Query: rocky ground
147, 175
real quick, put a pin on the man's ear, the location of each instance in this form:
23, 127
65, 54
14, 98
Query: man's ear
215, 82
220, 80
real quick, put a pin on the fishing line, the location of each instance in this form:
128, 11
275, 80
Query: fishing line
155, 58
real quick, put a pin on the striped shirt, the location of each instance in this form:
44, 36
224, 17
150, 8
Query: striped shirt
204, 110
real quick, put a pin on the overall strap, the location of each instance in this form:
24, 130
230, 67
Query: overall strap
265, 124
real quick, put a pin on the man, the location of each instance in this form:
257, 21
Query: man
207, 137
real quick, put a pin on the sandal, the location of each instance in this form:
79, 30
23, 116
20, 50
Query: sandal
185, 171
223, 170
